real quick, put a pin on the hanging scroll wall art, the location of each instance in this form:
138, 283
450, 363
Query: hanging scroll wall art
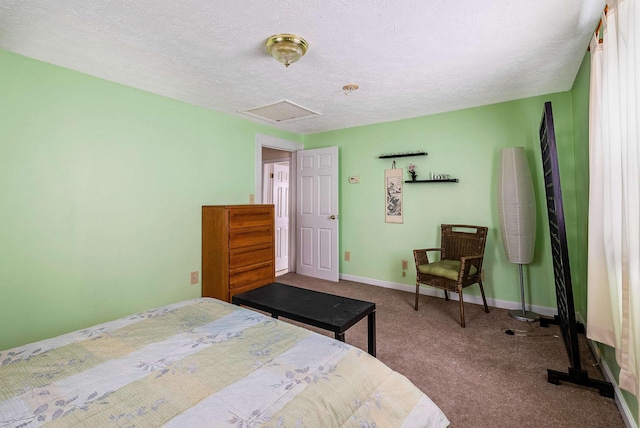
393, 194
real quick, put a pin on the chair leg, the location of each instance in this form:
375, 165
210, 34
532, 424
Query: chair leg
486, 308
446, 295
415, 307
462, 324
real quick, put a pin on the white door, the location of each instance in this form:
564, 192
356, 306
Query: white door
317, 213
281, 202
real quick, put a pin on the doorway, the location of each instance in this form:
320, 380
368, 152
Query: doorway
314, 248
275, 181
275, 150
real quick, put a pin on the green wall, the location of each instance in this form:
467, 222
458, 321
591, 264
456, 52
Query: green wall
580, 102
101, 193
465, 144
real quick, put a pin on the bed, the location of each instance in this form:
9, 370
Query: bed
204, 363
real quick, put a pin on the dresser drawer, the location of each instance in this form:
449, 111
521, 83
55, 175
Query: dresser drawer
247, 236
258, 216
261, 274
245, 256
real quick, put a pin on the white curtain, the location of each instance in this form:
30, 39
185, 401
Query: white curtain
613, 311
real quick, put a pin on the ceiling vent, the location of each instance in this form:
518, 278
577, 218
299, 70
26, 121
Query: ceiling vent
280, 112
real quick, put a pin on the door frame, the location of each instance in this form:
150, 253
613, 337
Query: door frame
269, 141
268, 186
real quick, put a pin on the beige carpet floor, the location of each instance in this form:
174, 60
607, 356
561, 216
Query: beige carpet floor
478, 375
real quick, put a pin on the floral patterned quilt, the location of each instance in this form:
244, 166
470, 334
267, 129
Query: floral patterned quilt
204, 363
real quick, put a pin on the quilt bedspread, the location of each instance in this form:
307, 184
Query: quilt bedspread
204, 363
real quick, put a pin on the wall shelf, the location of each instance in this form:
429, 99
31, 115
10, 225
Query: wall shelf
402, 155
450, 180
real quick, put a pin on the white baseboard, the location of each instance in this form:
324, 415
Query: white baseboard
625, 412
627, 417
429, 291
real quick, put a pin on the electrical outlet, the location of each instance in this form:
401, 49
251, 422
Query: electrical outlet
405, 265
252, 199
347, 256
194, 277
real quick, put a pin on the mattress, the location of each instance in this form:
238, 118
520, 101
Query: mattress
204, 362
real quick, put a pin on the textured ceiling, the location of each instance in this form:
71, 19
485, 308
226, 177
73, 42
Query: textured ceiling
409, 58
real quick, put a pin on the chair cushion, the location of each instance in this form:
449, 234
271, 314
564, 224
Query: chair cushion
445, 268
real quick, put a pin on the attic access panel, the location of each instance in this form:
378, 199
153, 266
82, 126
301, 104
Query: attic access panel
280, 112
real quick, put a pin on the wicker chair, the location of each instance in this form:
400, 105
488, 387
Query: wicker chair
460, 264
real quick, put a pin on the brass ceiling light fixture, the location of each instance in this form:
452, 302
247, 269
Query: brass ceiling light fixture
286, 48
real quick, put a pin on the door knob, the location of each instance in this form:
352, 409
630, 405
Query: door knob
333, 217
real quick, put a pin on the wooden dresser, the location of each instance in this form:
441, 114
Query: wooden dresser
238, 249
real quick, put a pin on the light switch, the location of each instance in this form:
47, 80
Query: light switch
354, 179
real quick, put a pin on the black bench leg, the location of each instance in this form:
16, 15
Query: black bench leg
371, 318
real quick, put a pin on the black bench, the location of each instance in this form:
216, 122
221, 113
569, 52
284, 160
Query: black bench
322, 310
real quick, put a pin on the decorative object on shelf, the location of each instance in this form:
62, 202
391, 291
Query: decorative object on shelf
286, 48
517, 214
412, 171
402, 154
393, 195
439, 176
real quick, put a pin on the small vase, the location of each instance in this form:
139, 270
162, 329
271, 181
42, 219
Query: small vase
413, 176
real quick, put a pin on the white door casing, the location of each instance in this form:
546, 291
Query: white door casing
317, 213
267, 184
281, 202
